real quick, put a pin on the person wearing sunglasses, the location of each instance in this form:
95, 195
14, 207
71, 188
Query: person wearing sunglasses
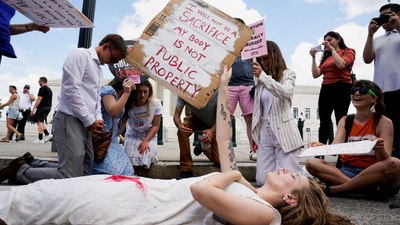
384, 52
374, 175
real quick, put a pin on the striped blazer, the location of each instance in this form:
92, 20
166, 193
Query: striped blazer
281, 120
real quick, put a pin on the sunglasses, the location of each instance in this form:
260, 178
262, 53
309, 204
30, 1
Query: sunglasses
362, 91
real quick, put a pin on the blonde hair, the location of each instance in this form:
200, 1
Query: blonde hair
312, 209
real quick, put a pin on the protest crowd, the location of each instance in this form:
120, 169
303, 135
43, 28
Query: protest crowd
106, 135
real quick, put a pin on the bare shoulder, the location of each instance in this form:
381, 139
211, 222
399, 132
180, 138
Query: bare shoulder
385, 121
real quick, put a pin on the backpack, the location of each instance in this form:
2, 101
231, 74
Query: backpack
347, 126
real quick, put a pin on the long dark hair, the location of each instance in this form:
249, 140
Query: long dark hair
341, 44
276, 62
133, 99
116, 83
379, 105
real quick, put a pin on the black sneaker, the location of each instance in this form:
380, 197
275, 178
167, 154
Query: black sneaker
197, 149
185, 174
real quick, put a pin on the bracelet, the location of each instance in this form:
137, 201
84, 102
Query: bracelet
27, 27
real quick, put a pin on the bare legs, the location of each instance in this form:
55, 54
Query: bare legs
385, 171
11, 129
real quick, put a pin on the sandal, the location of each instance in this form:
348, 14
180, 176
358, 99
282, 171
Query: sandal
5, 140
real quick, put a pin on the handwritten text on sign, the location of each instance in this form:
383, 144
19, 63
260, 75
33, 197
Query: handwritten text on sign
186, 46
353, 148
257, 45
58, 13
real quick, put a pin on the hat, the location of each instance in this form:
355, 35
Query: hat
27, 86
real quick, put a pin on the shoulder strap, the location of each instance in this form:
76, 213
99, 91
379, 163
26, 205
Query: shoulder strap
348, 125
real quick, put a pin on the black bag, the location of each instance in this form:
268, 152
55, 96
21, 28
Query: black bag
252, 91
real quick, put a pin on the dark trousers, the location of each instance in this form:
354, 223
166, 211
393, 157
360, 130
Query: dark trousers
392, 110
332, 97
20, 125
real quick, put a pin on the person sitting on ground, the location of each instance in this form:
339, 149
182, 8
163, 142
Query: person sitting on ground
208, 199
375, 175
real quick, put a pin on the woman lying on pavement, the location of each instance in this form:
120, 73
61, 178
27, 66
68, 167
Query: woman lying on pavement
211, 199
375, 175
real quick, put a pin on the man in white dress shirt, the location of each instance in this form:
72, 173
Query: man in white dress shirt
77, 118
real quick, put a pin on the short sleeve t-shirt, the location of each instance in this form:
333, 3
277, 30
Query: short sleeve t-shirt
6, 13
47, 96
207, 114
242, 72
139, 117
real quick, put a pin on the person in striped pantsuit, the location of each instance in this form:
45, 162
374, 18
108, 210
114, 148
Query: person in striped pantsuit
274, 129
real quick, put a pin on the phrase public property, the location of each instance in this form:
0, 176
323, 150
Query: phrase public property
175, 68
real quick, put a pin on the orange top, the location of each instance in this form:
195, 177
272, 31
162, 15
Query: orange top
332, 74
359, 133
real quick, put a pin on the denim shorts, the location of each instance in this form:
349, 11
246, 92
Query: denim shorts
12, 113
350, 171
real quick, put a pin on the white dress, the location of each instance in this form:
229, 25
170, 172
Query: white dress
139, 124
96, 200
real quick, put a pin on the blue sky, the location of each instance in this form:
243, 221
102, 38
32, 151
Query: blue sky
296, 25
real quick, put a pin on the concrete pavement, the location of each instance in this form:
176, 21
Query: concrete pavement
361, 211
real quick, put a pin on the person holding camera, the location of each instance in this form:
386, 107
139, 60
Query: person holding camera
335, 66
384, 51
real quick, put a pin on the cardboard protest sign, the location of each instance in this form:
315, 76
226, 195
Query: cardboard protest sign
351, 148
123, 69
58, 13
257, 46
186, 46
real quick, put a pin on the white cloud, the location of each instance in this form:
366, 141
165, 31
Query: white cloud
355, 8
354, 36
131, 26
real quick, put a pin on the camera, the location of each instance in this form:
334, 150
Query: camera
382, 19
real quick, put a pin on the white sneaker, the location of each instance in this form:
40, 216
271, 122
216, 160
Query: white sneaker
253, 155
38, 141
47, 138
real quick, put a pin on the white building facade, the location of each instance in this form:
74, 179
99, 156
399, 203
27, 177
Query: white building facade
305, 100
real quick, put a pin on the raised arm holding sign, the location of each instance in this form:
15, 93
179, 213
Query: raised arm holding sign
186, 46
58, 13
257, 45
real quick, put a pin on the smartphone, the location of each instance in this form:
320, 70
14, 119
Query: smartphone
318, 48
